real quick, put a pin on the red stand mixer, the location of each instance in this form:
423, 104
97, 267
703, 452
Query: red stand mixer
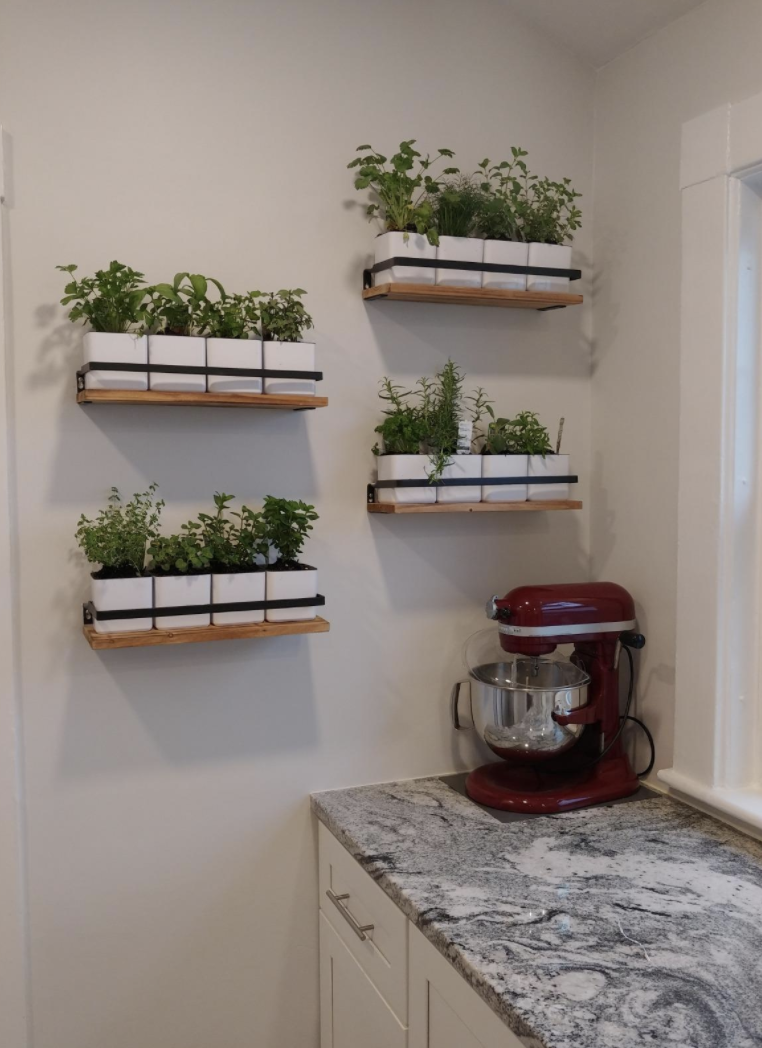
554, 721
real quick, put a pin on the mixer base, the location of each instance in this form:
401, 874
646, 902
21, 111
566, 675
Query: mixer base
539, 791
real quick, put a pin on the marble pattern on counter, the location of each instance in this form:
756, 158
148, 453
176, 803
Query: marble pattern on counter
613, 927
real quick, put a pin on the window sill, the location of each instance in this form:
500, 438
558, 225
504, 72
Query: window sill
744, 806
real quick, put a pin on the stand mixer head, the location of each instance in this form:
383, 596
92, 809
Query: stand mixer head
555, 722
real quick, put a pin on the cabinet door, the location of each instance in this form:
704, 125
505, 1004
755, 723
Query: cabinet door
353, 1014
445, 1012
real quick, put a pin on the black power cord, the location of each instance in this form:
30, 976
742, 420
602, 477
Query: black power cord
626, 717
651, 743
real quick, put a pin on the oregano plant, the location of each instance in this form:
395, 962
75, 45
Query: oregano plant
117, 538
182, 553
112, 300
287, 523
284, 316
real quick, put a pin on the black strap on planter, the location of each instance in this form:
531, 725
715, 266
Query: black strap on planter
90, 612
177, 369
474, 267
473, 482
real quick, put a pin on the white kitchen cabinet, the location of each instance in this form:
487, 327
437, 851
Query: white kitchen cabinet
372, 987
353, 1014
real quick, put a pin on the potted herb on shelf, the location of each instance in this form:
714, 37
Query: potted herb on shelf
233, 341
551, 217
456, 207
239, 551
287, 523
181, 575
116, 540
532, 438
113, 303
503, 455
402, 433
449, 436
178, 318
284, 321
403, 187
500, 219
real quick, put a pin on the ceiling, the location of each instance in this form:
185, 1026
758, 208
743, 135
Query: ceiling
599, 30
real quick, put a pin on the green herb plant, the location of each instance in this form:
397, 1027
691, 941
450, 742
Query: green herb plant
456, 207
183, 553
404, 428
287, 523
403, 186
551, 214
522, 435
504, 194
118, 536
112, 300
444, 406
236, 540
182, 307
233, 316
284, 316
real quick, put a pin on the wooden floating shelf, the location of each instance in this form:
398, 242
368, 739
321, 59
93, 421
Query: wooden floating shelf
471, 296
153, 638
283, 401
474, 507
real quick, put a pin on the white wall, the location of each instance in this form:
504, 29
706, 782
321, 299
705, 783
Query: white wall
701, 61
171, 860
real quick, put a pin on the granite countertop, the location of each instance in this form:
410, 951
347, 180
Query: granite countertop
614, 927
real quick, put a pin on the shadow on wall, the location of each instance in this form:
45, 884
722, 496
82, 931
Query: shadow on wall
128, 713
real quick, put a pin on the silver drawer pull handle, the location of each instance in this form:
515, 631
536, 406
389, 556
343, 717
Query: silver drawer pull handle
358, 929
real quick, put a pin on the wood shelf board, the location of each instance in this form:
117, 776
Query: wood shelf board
153, 638
226, 400
471, 296
474, 507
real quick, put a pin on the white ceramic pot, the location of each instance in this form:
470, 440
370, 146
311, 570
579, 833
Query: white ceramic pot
181, 351
549, 466
114, 348
461, 466
233, 353
505, 253
394, 245
405, 467
504, 466
550, 256
122, 595
460, 249
175, 591
291, 585
232, 586
290, 356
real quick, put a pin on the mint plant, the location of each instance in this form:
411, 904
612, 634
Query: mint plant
182, 307
233, 316
112, 300
235, 541
284, 316
505, 188
118, 536
404, 428
287, 523
403, 187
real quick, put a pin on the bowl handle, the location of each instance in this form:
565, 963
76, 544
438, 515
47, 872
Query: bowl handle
460, 708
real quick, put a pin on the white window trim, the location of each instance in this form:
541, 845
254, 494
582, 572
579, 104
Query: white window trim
718, 700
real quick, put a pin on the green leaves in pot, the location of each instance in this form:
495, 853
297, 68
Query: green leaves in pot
182, 307
233, 316
456, 206
118, 536
112, 300
287, 523
551, 212
522, 435
284, 316
444, 408
403, 187
183, 553
404, 428
237, 541
504, 196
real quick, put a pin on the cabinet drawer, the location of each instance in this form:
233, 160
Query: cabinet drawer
357, 903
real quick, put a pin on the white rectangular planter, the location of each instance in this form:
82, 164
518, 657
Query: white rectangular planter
394, 245
175, 591
115, 348
550, 466
460, 249
459, 466
181, 351
504, 466
290, 356
233, 353
291, 585
550, 256
235, 586
505, 253
405, 467
122, 595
